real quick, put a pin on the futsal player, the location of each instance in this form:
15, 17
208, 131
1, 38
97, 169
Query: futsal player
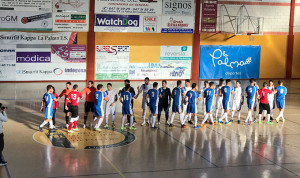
152, 100
65, 93
110, 108
145, 88
209, 95
99, 96
237, 101
73, 98
219, 98
126, 99
191, 97
264, 102
250, 93
206, 86
281, 91
131, 91
186, 88
164, 101
177, 95
226, 92
55, 107
271, 100
89, 100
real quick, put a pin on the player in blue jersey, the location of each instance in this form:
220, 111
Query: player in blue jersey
186, 88
100, 96
281, 91
126, 99
47, 101
152, 99
250, 93
209, 95
226, 92
177, 95
191, 97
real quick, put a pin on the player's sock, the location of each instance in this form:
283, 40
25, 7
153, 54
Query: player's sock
259, 117
106, 119
269, 118
75, 124
113, 118
185, 118
172, 117
226, 117
248, 116
271, 112
217, 110
205, 118
223, 116
222, 112
70, 126
67, 119
51, 124
144, 115
123, 119
265, 113
255, 112
100, 122
131, 121
239, 115
190, 117
181, 118
150, 118
167, 115
232, 114
85, 119
43, 124
196, 120
153, 121
158, 117
211, 118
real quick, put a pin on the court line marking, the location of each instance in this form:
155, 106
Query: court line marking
112, 164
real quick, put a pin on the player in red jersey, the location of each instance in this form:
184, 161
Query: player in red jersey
65, 93
264, 102
73, 97
89, 100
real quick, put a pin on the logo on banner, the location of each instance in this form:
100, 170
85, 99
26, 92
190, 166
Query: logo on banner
33, 57
178, 5
176, 23
58, 71
178, 72
9, 19
117, 20
222, 58
112, 49
150, 24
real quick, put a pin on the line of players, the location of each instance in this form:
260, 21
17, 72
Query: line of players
159, 99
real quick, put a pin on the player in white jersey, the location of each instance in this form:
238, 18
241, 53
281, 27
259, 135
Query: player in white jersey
145, 88
271, 100
237, 101
206, 86
110, 108
219, 98
186, 88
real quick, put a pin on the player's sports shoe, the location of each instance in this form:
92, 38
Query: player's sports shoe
277, 120
127, 123
106, 126
143, 123
71, 131
247, 123
132, 128
172, 126
113, 125
196, 127
123, 128
154, 127
3, 163
184, 126
147, 124
271, 118
134, 123
231, 120
220, 123
213, 124
98, 129
167, 123
239, 121
40, 129
270, 123
227, 123
259, 122
84, 126
283, 120
202, 125
76, 129
190, 122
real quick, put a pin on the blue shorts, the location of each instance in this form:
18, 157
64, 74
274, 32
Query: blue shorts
177, 108
226, 105
209, 107
127, 110
153, 109
250, 103
48, 113
192, 108
280, 104
98, 111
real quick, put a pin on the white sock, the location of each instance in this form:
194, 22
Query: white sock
96, 120
211, 118
271, 112
172, 117
249, 116
232, 114
185, 118
205, 118
239, 115
226, 117
131, 121
51, 124
113, 118
196, 120
222, 111
99, 122
181, 118
268, 117
150, 118
106, 119
43, 124
259, 117
217, 110
190, 117
223, 116
153, 121
122, 123
265, 113
144, 115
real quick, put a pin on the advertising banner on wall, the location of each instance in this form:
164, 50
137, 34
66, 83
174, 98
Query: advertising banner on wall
112, 62
7, 62
34, 21
7, 38
28, 5
177, 24
138, 71
68, 53
126, 7
70, 22
179, 7
231, 62
78, 6
209, 16
127, 23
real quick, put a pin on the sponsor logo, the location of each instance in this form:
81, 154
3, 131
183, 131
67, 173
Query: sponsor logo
7, 50
220, 57
117, 20
178, 72
9, 19
58, 71
72, 70
176, 23
174, 6
33, 57
112, 49
45, 72
150, 24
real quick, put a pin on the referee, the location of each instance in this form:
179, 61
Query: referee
164, 101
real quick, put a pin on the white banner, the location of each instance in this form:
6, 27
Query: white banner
37, 38
79, 6
112, 62
179, 7
126, 7
34, 21
177, 24
138, 71
27, 5
7, 62
70, 22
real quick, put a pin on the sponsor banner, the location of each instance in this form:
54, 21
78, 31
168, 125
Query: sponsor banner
233, 62
79, 6
177, 24
70, 22
209, 16
128, 7
175, 69
33, 57
179, 7
34, 21
7, 62
112, 62
7, 38
127, 23
176, 53
27, 5
142, 70
68, 53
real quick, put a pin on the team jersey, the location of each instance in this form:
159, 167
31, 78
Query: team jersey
73, 97
165, 95
65, 93
192, 96
219, 87
271, 96
203, 90
177, 96
209, 94
226, 92
111, 96
145, 88
89, 92
48, 98
55, 103
127, 98
281, 92
237, 94
99, 97
251, 92
263, 94
153, 96
186, 89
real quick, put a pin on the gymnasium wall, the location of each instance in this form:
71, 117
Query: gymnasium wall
296, 57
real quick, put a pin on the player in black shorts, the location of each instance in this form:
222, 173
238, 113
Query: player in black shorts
89, 100
131, 91
164, 101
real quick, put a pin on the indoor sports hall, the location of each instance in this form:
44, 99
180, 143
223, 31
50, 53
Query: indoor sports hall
149, 88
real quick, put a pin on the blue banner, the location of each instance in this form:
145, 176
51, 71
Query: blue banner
229, 62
